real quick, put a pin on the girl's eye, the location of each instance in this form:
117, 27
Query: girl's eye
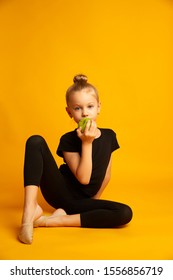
77, 108
90, 106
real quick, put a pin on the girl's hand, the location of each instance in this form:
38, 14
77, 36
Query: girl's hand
89, 133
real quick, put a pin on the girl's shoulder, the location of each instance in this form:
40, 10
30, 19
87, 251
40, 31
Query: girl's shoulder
108, 135
69, 142
69, 135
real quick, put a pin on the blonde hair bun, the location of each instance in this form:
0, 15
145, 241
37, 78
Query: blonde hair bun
80, 79
80, 83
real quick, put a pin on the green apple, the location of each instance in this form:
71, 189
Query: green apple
82, 123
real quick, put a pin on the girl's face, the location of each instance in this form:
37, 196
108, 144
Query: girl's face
83, 104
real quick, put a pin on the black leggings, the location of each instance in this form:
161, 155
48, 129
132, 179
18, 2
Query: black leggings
40, 169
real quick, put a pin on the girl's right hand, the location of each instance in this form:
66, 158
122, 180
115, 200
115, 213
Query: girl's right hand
89, 133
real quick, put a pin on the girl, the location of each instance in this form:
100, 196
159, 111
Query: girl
74, 188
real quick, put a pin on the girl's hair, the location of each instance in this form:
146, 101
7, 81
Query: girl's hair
80, 82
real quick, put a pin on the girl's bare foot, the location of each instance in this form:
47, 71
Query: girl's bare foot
50, 221
59, 212
30, 214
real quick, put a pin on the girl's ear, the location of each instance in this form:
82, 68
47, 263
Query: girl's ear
99, 107
68, 112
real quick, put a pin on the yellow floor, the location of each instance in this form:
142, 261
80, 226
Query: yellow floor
148, 236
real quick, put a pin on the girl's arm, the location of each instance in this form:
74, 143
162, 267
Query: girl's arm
105, 181
81, 166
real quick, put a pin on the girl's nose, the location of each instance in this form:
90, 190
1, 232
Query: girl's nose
84, 113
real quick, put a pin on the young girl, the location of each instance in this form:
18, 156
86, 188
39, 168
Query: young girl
73, 189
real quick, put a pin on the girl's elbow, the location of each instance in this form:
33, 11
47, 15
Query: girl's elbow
84, 181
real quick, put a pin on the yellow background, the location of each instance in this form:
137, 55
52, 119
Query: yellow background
125, 49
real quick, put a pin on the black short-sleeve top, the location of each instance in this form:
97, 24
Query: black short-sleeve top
102, 147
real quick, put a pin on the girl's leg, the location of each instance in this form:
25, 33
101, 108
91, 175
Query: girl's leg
31, 212
39, 169
31, 209
93, 214
110, 214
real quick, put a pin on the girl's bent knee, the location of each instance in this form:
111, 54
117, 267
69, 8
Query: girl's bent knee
127, 214
35, 140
